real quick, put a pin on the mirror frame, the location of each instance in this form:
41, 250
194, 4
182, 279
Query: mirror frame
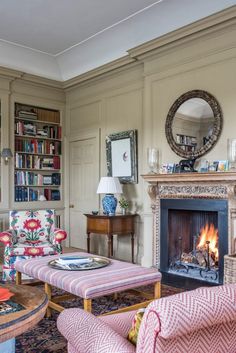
217, 127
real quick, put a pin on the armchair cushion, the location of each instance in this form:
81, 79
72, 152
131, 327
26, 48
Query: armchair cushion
136, 323
87, 333
44, 249
120, 322
32, 227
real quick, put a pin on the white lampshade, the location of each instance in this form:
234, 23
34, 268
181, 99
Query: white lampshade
109, 185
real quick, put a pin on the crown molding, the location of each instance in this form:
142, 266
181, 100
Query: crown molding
42, 81
106, 68
13, 75
10, 74
209, 24
213, 23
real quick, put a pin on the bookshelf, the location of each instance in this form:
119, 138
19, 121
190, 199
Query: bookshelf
186, 142
37, 154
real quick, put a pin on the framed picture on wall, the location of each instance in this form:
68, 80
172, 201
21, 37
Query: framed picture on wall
121, 151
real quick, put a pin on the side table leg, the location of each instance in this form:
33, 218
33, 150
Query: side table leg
18, 277
48, 291
88, 305
109, 236
112, 245
132, 247
88, 242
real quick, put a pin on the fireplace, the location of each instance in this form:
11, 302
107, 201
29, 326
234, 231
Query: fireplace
184, 202
193, 241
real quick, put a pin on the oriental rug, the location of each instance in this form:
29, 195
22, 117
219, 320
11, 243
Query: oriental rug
45, 338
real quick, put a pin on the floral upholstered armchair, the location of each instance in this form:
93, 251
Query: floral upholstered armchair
31, 234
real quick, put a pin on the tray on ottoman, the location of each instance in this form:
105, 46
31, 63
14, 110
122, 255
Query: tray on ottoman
96, 262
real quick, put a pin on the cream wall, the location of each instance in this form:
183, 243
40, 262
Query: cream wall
140, 95
112, 103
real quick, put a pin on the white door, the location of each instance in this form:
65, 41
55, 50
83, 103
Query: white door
84, 179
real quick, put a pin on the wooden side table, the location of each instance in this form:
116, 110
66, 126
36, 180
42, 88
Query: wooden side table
110, 225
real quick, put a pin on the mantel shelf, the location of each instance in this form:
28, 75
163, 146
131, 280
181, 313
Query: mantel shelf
190, 177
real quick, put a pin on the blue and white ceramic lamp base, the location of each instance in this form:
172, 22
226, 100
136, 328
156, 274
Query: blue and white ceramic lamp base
109, 203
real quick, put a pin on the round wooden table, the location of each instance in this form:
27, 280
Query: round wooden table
35, 303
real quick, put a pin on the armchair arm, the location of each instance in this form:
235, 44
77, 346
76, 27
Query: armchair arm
59, 235
6, 237
88, 334
181, 314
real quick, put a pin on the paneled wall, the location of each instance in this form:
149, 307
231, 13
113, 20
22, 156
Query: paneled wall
111, 104
140, 95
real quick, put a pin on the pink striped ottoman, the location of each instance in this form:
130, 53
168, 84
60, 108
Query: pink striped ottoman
116, 277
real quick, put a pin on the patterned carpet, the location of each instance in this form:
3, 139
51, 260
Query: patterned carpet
45, 338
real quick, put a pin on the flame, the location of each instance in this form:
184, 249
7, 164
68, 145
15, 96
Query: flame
209, 233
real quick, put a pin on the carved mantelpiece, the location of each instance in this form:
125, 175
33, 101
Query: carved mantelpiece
192, 185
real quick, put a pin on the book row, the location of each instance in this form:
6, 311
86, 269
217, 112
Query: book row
29, 128
37, 146
36, 179
25, 111
24, 194
36, 162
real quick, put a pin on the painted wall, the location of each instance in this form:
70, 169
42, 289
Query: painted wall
139, 97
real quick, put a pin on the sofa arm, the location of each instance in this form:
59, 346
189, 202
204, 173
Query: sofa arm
6, 237
88, 334
59, 235
186, 312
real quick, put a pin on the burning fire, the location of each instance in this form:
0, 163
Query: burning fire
209, 233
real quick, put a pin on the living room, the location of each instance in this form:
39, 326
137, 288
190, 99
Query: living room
133, 91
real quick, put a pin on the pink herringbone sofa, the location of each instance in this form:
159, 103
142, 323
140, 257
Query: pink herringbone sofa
198, 321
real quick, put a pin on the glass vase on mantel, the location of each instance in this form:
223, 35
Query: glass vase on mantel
231, 152
152, 160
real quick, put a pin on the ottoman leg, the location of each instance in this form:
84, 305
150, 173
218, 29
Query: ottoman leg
18, 277
88, 305
48, 291
157, 290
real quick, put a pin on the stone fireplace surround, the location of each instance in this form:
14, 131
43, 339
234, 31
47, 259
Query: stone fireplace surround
215, 185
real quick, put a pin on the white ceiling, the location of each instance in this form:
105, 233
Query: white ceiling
196, 108
60, 39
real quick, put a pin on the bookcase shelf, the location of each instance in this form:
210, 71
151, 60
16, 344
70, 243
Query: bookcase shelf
186, 142
31, 137
38, 145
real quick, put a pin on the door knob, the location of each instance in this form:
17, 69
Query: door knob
71, 206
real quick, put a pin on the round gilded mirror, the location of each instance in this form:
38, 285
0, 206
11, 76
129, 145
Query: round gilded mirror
194, 124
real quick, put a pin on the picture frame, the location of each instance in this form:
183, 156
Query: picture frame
121, 153
47, 180
223, 166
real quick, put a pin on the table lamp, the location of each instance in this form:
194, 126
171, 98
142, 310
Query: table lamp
109, 186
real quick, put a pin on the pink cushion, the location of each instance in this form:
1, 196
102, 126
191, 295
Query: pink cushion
120, 322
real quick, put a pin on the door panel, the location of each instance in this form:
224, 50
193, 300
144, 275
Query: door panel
84, 178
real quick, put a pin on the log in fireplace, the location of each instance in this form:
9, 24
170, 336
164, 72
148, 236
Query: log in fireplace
193, 241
